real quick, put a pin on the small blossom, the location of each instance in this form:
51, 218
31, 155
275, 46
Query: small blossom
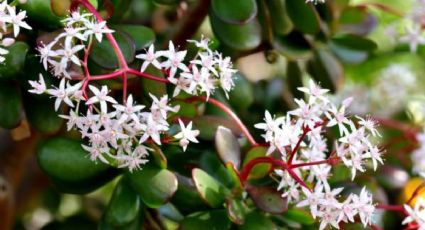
101, 96
39, 86
186, 135
150, 58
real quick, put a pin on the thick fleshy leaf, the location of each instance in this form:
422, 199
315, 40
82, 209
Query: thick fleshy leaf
238, 37
69, 168
40, 11
237, 188
211, 191
300, 216
294, 79
171, 212
186, 197
242, 95
124, 206
236, 210
227, 146
61, 7
304, 16
208, 125
348, 55
103, 55
158, 156
260, 170
153, 87
281, 23
326, 69
235, 11
10, 104
14, 61
211, 164
154, 185
256, 220
293, 46
143, 36
354, 42
268, 199
215, 219
357, 20
41, 114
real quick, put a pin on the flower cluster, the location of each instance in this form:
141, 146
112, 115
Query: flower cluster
10, 20
416, 215
204, 73
60, 53
410, 29
299, 139
122, 134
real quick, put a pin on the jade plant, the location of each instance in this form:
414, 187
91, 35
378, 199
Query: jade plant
165, 122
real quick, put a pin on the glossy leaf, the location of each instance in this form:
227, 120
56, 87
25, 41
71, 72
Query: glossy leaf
61, 7
268, 199
235, 11
242, 95
82, 175
211, 164
41, 12
10, 105
142, 36
260, 170
186, 197
236, 210
41, 114
211, 191
281, 23
227, 146
326, 69
162, 184
299, 216
293, 46
215, 219
124, 206
152, 87
304, 16
294, 79
238, 37
354, 42
14, 62
208, 125
103, 55
256, 220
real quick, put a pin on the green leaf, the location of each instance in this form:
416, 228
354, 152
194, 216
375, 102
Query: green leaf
357, 20
14, 61
326, 70
268, 199
236, 210
242, 95
169, 211
61, 7
227, 146
348, 55
41, 114
235, 11
155, 185
259, 170
304, 16
294, 79
124, 206
69, 168
212, 165
143, 36
41, 12
238, 37
186, 197
103, 55
299, 216
255, 221
10, 104
293, 46
281, 23
354, 42
207, 125
158, 156
214, 220
210, 190
153, 87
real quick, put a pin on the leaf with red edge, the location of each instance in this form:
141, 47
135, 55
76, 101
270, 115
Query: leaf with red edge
211, 191
268, 199
227, 146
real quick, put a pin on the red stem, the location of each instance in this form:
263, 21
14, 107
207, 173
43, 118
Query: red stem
146, 75
229, 112
250, 165
409, 131
396, 208
297, 146
328, 161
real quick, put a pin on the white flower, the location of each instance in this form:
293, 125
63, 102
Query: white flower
150, 58
39, 86
160, 107
315, 92
152, 129
202, 44
101, 96
16, 20
363, 202
338, 117
98, 29
186, 135
129, 110
413, 37
175, 60
416, 214
61, 95
68, 53
46, 53
312, 199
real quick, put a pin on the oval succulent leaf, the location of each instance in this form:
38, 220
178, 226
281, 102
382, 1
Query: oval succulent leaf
227, 146
268, 199
304, 16
211, 191
235, 11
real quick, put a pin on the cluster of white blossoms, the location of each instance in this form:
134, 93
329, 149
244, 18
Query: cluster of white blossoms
416, 215
410, 29
60, 53
10, 20
121, 134
303, 129
204, 74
